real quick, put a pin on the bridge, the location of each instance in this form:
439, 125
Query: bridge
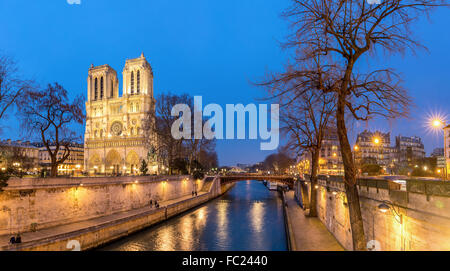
285, 179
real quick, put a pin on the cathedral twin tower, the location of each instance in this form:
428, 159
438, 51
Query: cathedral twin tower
115, 142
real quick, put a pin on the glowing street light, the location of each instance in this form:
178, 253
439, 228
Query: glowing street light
376, 140
383, 207
356, 147
437, 123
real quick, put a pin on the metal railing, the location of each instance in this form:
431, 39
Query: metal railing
427, 187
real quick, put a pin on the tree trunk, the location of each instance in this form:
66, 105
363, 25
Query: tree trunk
351, 190
314, 171
54, 170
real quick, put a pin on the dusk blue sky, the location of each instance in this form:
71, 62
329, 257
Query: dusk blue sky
202, 47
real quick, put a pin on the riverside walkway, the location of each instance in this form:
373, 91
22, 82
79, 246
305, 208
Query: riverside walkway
56, 232
309, 233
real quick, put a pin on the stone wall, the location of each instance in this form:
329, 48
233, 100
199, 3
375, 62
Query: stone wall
32, 204
421, 221
93, 236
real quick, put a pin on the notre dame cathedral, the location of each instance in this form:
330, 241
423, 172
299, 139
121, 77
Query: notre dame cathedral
114, 141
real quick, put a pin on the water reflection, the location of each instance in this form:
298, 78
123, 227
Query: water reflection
248, 217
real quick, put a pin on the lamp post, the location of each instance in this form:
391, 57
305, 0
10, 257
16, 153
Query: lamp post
438, 123
356, 149
386, 206
376, 141
78, 169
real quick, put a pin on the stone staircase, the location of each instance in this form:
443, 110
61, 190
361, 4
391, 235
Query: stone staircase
207, 184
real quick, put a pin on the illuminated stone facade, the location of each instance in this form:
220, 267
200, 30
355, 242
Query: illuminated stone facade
115, 142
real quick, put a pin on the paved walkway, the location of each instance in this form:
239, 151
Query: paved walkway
51, 232
309, 232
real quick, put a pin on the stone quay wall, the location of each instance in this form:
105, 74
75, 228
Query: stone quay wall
31, 204
419, 218
98, 235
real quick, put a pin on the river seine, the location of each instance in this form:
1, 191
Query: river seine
247, 217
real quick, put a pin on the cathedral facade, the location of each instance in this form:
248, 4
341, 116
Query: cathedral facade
115, 141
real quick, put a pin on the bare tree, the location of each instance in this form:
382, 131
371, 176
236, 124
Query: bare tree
11, 86
183, 153
158, 123
306, 120
278, 162
208, 159
339, 33
195, 146
49, 114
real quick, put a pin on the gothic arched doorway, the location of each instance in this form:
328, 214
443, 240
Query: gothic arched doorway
133, 162
94, 163
113, 161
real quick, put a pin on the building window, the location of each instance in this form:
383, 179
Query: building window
101, 87
132, 83
112, 88
95, 89
138, 81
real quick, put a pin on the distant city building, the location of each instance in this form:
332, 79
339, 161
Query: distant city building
447, 147
243, 166
256, 168
375, 147
236, 170
32, 157
409, 149
72, 165
438, 152
21, 154
330, 161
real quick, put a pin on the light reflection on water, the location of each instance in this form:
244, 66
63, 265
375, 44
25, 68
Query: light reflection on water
248, 217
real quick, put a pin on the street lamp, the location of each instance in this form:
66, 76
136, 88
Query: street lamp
438, 123
376, 140
78, 169
384, 207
